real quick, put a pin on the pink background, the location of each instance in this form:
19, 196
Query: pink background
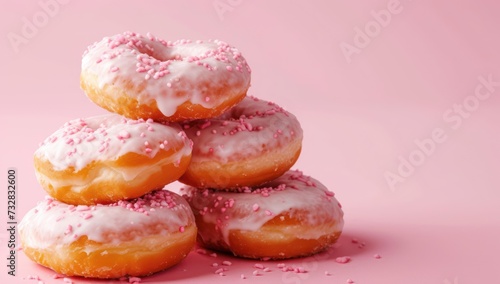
439, 225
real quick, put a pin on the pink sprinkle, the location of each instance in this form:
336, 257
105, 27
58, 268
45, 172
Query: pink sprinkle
69, 229
205, 124
229, 68
213, 254
328, 273
268, 213
377, 256
300, 270
215, 264
114, 69
67, 280
123, 134
329, 193
267, 269
256, 273
354, 241
258, 265
343, 259
134, 280
181, 229
218, 271
227, 263
201, 251
57, 276
207, 99
255, 207
350, 281
242, 276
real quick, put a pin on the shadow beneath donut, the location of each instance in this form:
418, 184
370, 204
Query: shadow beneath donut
204, 265
352, 244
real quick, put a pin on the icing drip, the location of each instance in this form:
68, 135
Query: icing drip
250, 208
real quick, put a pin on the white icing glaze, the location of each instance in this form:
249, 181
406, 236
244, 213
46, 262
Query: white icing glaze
108, 137
168, 73
55, 223
250, 209
135, 174
249, 129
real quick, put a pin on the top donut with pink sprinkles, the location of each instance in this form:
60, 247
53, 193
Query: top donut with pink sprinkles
156, 70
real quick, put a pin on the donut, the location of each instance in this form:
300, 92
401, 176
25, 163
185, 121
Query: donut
106, 158
252, 143
291, 216
146, 77
126, 238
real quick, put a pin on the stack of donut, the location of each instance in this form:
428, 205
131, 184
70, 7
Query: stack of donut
179, 112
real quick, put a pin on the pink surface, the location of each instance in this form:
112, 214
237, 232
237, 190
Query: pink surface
406, 98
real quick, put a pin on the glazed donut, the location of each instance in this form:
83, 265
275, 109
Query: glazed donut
126, 238
146, 77
254, 142
292, 216
103, 159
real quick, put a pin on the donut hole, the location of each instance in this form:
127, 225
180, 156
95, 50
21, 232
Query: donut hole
161, 56
158, 52
172, 53
234, 114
